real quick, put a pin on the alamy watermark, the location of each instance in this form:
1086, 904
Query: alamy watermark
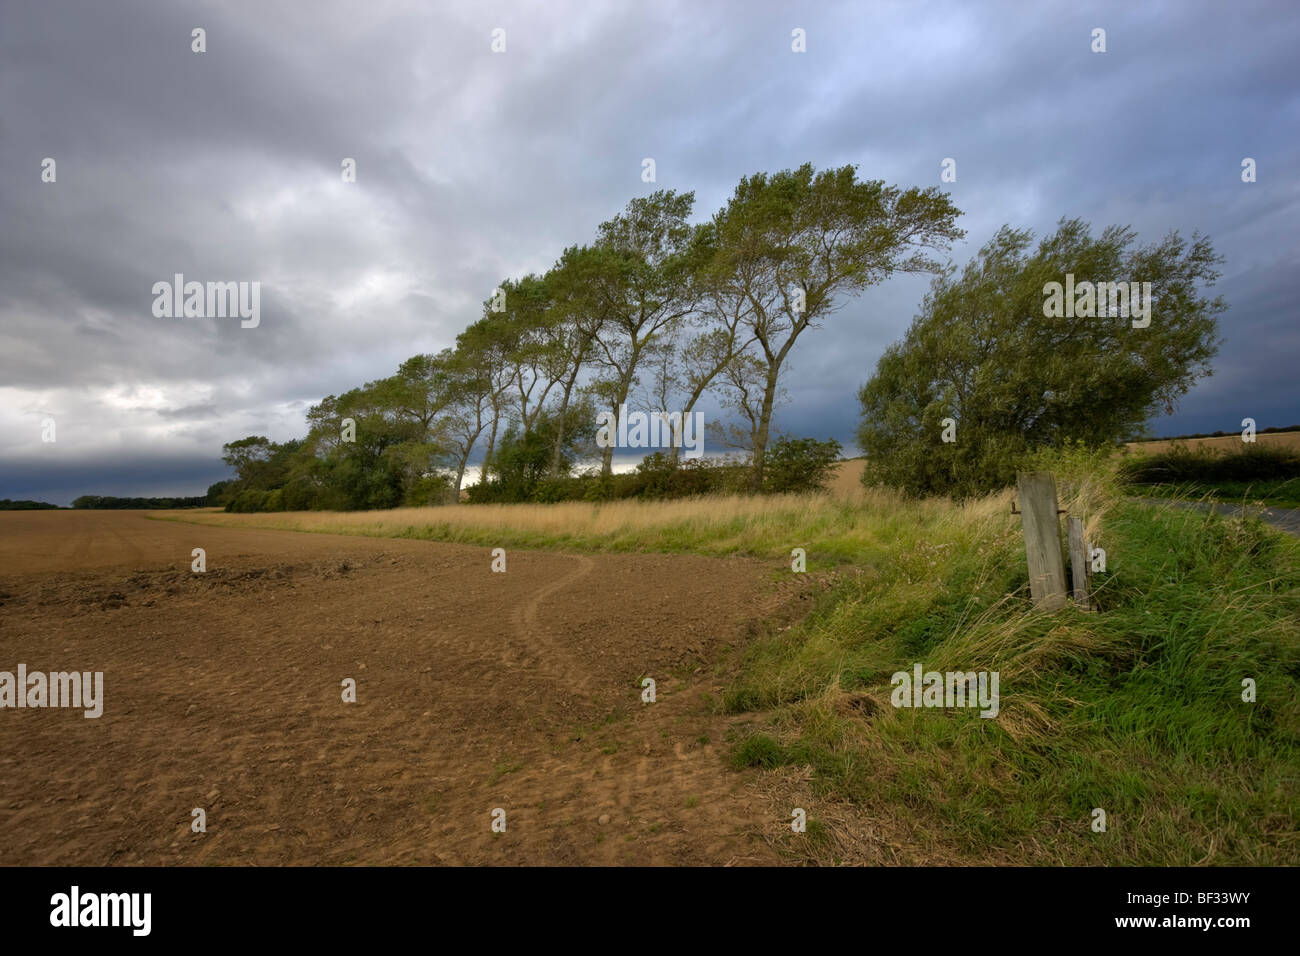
84, 690
1089, 300
215, 300
948, 689
75, 908
651, 430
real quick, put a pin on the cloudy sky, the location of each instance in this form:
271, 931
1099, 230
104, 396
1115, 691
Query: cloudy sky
474, 165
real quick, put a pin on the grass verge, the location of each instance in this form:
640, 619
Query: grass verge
1136, 710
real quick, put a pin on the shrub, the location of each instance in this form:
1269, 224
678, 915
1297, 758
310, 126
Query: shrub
248, 501
799, 464
428, 490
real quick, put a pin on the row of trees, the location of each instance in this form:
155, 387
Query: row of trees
654, 313
113, 503
657, 311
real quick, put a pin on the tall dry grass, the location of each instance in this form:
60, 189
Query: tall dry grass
840, 527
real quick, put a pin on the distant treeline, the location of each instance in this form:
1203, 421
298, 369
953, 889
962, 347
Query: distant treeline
1258, 431
108, 502
7, 504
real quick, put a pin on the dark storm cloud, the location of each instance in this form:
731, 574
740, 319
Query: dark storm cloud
473, 166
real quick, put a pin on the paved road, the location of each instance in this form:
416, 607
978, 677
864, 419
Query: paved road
1287, 519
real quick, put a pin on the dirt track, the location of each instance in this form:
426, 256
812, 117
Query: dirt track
475, 691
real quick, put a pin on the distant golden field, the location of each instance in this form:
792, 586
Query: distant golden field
1227, 443
848, 477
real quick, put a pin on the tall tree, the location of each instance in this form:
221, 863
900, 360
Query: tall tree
471, 386
793, 243
579, 314
983, 353
525, 332
715, 338
644, 281
486, 347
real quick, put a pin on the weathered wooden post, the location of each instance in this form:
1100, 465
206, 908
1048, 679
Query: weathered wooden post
1079, 563
1042, 530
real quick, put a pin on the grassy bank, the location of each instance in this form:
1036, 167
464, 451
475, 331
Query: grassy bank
1137, 710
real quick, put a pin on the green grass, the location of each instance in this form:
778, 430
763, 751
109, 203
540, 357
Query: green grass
1281, 493
504, 769
1136, 709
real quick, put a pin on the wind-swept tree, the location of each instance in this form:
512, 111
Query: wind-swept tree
792, 244
983, 354
470, 387
486, 347
524, 330
714, 341
643, 280
742, 384
578, 315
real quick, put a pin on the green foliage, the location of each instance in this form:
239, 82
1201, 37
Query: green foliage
248, 501
657, 477
758, 750
427, 490
219, 494
799, 464
982, 354
788, 246
1258, 473
526, 466
8, 504
303, 494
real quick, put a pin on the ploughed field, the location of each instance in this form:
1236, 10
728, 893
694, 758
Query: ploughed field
475, 691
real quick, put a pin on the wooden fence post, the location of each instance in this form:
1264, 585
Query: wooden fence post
1079, 563
1042, 538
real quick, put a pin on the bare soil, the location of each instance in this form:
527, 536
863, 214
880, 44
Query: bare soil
475, 691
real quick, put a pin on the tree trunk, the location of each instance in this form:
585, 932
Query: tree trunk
460, 478
491, 447
624, 386
764, 427
675, 453
559, 425
607, 453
